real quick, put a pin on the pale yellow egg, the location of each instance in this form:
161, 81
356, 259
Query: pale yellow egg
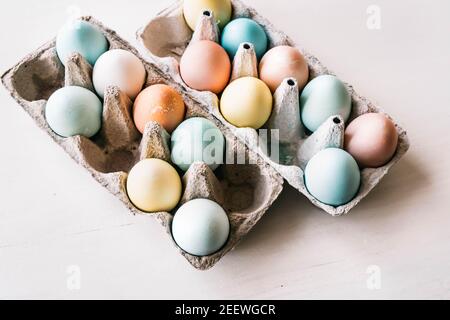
246, 102
193, 9
153, 185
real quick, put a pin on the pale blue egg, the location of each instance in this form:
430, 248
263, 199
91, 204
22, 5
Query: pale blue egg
197, 139
72, 111
332, 176
81, 37
200, 227
244, 30
323, 97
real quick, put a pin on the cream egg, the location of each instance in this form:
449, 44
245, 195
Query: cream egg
246, 102
153, 185
119, 68
193, 9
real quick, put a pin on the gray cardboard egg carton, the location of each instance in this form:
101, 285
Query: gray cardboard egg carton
244, 191
164, 40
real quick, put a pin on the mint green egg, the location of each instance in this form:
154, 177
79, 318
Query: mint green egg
332, 176
72, 111
323, 97
197, 139
81, 37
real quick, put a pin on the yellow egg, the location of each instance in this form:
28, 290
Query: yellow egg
246, 102
193, 9
153, 185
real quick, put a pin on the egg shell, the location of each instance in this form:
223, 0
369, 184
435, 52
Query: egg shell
193, 9
246, 102
205, 66
153, 185
119, 68
283, 62
371, 139
197, 139
200, 227
323, 97
243, 30
159, 103
72, 111
81, 37
332, 176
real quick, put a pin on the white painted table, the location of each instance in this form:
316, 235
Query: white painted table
54, 216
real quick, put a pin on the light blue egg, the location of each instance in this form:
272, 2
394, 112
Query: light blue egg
72, 111
200, 227
332, 176
244, 30
197, 139
323, 97
81, 37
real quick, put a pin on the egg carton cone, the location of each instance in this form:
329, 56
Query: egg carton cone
244, 191
163, 41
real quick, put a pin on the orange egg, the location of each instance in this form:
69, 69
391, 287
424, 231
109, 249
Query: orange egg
371, 139
205, 66
283, 62
159, 103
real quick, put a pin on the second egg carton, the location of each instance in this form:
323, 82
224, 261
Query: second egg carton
164, 40
244, 191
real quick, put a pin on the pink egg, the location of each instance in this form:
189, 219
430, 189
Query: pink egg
371, 139
205, 66
283, 62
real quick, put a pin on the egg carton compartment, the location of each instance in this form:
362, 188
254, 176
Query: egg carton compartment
244, 191
164, 40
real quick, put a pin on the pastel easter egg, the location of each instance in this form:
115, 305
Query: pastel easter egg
246, 102
332, 176
193, 9
197, 139
200, 227
159, 103
153, 185
371, 139
72, 111
323, 97
283, 62
244, 30
205, 66
80, 37
119, 68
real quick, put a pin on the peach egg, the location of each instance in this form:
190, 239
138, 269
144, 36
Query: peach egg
371, 139
283, 62
159, 103
205, 66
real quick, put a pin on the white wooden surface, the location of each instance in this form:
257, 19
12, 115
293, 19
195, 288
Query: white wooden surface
53, 215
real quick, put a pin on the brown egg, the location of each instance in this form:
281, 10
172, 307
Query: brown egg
205, 66
371, 139
283, 62
159, 103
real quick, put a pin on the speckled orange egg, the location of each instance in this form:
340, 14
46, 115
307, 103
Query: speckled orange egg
371, 139
283, 62
159, 103
205, 66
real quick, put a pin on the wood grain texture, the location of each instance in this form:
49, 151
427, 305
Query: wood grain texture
296, 251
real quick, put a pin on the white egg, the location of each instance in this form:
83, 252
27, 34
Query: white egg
119, 68
200, 227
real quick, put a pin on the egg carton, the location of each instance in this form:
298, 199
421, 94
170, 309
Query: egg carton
164, 40
245, 191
